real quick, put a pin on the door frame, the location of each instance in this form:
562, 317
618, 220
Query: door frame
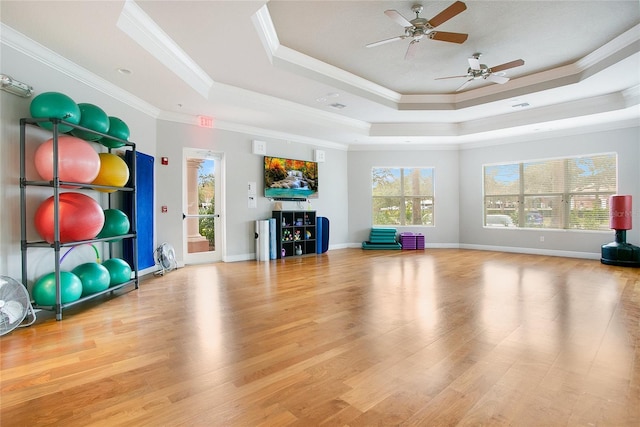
220, 240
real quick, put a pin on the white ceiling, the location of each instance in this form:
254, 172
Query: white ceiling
274, 70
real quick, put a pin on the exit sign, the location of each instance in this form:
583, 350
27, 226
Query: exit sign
205, 122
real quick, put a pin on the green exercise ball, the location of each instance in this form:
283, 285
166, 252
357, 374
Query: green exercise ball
117, 129
55, 105
44, 290
94, 277
94, 118
116, 223
119, 271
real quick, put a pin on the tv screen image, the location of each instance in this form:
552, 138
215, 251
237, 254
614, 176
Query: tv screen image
290, 179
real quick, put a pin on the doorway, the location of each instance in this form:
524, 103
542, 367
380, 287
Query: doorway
203, 218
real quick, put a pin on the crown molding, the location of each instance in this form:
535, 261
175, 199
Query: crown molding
135, 23
38, 52
283, 57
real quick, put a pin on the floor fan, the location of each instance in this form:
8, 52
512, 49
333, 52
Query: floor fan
15, 304
165, 257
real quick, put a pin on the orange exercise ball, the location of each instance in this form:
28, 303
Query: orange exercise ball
114, 172
78, 161
79, 217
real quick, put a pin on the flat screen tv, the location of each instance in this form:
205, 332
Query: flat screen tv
289, 179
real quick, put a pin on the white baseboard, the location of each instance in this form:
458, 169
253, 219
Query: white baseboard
512, 249
241, 257
532, 251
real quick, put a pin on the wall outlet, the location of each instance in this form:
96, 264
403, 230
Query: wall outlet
259, 147
542, 238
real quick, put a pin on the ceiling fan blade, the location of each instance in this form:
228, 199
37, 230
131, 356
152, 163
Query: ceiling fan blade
395, 15
448, 37
465, 84
411, 50
506, 66
378, 43
474, 63
448, 13
497, 79
450, 77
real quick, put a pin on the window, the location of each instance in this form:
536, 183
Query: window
402, 196
569, 193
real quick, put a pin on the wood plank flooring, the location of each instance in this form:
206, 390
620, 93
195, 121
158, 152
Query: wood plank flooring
348, 338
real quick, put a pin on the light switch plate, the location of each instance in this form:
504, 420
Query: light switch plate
318, 156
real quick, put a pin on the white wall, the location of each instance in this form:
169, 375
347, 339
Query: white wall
446, 200
625, 142
241, 167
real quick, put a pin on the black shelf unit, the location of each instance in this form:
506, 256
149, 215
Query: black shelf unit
57, 185
295, 229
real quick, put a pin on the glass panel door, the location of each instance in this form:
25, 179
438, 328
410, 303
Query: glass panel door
202, 201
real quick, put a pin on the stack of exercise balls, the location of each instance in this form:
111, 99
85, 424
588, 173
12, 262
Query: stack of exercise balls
85, 279
80, 216
57, 105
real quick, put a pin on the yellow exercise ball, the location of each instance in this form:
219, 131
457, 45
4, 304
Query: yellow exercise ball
114, 172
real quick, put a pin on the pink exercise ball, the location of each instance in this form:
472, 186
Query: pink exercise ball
80, 218
78, 161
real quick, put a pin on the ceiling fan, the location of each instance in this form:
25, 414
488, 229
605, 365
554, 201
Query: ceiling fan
419, 27
481, 71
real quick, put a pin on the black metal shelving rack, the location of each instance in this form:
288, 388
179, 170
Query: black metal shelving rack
55, 184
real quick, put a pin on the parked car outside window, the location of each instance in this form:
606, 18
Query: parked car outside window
534, 219
499, 221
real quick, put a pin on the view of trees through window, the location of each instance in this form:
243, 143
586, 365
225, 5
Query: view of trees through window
402, 196
206, 200
568, 193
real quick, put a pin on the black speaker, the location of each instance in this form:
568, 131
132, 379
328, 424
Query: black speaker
322, 239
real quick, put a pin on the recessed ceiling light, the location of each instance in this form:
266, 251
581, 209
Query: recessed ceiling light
321, 99
333, 95
337, 106
124, 71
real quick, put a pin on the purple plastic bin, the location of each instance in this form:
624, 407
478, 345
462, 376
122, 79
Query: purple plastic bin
408, 241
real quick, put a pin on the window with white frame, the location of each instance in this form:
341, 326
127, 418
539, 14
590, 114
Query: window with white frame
566, 193
402, 196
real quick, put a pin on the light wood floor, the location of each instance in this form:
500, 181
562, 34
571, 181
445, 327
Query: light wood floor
351, 337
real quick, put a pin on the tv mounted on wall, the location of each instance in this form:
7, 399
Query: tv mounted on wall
289, 179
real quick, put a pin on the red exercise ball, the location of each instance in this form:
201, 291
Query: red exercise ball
80, 218
78, 161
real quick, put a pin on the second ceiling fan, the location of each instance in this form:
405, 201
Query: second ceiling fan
420, 27
478, 71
